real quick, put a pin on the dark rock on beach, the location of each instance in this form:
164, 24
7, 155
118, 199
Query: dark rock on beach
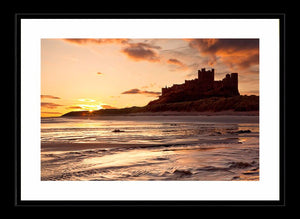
239, 165
240, 132
235, 178
182, 173
243, 131
118, 130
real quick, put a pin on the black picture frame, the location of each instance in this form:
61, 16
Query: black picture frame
17, 202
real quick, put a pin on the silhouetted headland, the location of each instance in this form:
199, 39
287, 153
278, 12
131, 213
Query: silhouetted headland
202, 94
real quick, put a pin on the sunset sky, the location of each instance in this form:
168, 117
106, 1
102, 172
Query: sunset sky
92, 74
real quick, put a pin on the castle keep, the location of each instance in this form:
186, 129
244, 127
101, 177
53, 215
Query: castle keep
202, 87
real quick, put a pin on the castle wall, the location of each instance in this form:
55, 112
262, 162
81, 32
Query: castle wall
218, 84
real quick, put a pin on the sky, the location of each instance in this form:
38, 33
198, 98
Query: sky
91, 74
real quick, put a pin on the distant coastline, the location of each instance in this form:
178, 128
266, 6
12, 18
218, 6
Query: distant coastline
237, 105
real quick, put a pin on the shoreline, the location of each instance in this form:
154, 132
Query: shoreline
169, 113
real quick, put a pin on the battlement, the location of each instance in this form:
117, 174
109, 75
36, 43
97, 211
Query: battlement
206, 76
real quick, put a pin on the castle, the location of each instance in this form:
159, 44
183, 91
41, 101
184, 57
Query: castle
202, 87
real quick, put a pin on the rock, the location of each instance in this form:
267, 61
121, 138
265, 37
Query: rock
235, 178
240, 132
251, 173
118, 130
182, 173
239, 165
243, 131
161, 158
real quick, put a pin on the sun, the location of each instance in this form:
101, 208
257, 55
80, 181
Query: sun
90, 107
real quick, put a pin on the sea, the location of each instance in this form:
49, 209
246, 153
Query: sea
143, 148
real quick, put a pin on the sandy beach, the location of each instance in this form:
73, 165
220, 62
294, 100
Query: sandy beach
202, 147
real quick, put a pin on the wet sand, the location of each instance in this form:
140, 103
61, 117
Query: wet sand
46, 147
52, 147
160, 147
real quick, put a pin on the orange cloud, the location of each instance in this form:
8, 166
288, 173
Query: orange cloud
50, 113
50, 105
141, 52
229, 46
138, 91
235, 53
49, 97
74, 107
242, 61
179, 65
175, 62
108, 107
135, 51
82, 41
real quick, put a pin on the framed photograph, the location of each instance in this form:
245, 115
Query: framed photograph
147, 109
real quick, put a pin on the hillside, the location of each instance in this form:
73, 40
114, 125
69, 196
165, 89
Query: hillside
212, 104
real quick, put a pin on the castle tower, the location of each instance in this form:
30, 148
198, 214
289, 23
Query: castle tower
227, 82
234, 80
230, 84
164, 90
206, 76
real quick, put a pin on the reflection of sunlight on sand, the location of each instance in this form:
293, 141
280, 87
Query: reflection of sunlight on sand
250, 175
126, 158
193, 156
196, 162
241, 140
